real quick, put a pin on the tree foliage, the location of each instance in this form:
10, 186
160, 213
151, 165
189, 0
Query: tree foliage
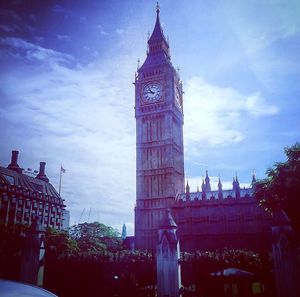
220, 259
59, 244
281, 187
11, 243
93, 238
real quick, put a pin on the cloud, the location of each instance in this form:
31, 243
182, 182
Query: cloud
10, 15
67, 13
63, 37
120, 31
266, 35
101, 30
58, 9
81, 117
273, 21
256, 105
82, 18
11, 22
7, 28
213, 114
35, 52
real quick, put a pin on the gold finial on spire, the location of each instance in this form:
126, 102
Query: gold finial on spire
157, 7
138, 64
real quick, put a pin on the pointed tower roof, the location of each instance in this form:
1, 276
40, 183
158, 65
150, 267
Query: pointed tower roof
157, 34
219, 184
187, 188
207, 182
203, 185
124, 232
187, 191
253, 179
220, 190
207, 179
158, 46
236, 180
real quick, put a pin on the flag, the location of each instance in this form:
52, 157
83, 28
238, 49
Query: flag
63, 170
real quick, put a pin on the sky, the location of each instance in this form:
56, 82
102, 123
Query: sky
66, 92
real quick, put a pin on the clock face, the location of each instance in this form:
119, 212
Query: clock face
177, 97
152, 92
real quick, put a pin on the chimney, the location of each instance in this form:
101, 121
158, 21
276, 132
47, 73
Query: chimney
14, 162
41, 175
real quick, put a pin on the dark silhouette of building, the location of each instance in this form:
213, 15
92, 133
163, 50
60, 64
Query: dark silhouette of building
23, 197
206, 218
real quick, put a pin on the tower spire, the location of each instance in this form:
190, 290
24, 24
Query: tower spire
253, 179
203, 187
220, 191
187, 189
124, 232
237, 181
219, 183
157, 41
236, 186
207, 182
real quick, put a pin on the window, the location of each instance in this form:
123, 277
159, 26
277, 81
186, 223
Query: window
10, 179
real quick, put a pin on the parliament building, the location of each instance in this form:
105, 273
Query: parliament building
206, 219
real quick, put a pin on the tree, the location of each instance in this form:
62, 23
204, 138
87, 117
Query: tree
59, 244
281, 187
96, 237
11, 243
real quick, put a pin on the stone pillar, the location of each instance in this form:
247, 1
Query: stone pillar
284, 256
33, 254
167, 258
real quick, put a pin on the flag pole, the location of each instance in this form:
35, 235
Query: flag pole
59, 188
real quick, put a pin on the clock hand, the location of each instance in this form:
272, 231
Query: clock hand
150, 90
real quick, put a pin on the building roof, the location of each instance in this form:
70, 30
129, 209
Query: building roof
157, 34
158, 58
158, 47
214, 194
31, 185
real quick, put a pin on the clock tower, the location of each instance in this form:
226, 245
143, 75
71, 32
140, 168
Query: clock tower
159, 138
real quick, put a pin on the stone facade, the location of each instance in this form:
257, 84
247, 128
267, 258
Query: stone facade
219, 219
23, 197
